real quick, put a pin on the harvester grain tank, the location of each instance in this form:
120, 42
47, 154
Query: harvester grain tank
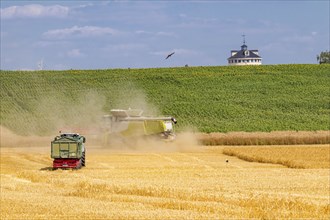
130, 124
68, 151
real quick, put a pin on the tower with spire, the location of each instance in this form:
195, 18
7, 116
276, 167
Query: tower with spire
244, 56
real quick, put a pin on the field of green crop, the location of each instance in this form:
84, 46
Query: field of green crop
209, 99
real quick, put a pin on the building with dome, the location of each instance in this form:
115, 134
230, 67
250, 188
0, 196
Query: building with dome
244, 56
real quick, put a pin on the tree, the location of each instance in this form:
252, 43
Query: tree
324, 57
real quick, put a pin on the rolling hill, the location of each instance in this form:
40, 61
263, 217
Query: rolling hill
208, 99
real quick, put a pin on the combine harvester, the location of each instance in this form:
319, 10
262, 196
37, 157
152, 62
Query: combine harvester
68, 151
129, 125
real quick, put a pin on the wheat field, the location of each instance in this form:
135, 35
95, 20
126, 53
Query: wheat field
303, 156
176, 184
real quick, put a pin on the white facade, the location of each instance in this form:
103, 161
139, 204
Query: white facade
244, 61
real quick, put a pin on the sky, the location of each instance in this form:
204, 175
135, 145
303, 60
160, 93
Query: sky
60, 35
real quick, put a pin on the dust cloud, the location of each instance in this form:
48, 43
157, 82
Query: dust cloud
130, 96
185, 141
9, 138
56, 112
81, 115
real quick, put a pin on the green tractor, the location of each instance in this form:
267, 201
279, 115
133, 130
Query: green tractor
68, 151
129, 125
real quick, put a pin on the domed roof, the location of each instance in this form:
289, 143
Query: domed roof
244, 47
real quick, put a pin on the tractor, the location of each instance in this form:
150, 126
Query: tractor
68, 151
130, 125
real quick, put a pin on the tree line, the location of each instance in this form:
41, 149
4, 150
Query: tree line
323, 57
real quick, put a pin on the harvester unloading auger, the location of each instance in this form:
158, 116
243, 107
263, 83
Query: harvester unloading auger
130, 124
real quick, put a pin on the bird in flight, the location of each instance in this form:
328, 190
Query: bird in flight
169, 55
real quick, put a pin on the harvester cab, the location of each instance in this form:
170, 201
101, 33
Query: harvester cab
132, 124
68, 151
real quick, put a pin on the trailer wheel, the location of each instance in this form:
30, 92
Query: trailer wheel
79, 165
83, 161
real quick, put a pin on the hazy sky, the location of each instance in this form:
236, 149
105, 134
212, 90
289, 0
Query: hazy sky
139, 34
